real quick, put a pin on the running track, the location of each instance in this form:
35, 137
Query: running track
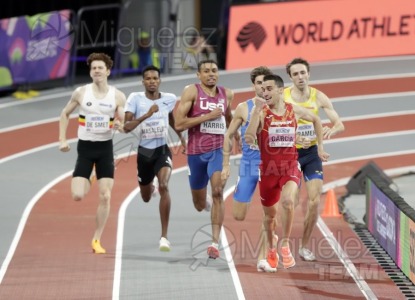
45, 236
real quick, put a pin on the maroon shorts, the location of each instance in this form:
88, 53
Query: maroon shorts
273, 176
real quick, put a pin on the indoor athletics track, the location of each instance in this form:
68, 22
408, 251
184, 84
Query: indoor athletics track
45, 236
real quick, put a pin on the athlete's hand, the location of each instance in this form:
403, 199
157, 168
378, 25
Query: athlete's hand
226, 171
306, 142
328, 132
214, 114
324, 156
118, 126
184, 144
259, 102
64, 146
153, 109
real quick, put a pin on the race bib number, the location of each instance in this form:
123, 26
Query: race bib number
97, 123
307, 131
217, 126
153, 129
281, 136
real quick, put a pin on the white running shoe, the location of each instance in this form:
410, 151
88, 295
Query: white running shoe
306, 254
156, 188
209, 201
263, 266
164, 245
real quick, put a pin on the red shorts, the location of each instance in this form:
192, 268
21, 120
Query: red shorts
273, 176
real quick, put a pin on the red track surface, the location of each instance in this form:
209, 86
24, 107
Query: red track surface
65, 269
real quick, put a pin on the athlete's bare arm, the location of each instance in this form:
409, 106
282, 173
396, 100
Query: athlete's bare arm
337, 125
119, 112
188, 97
239, 117
256, 122
73, 103
305, 114
131, 123
172, 123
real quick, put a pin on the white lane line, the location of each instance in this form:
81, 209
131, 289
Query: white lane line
120, 241
33, 150
134, 83
371, 156
34, 123
25, 216
225, 245
335, 100
120, 238
335, 140
23, 220
369, 136
345, 260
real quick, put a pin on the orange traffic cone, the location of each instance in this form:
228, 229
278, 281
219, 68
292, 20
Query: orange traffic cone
331, 208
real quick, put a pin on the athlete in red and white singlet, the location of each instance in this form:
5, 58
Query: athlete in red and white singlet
273, 126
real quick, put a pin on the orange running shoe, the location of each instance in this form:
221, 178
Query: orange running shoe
288, 260
97, 248
272, 257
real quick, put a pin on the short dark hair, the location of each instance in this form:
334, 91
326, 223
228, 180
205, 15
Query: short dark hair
277, 79
100, 56
297, 60
151, 68
261, 70
206, 61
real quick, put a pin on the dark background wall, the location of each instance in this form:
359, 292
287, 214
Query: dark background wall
30, 7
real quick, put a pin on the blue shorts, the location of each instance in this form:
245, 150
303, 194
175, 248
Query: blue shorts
311, 164
202, 166
247, 180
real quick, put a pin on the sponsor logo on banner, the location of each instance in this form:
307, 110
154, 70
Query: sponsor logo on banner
274, 33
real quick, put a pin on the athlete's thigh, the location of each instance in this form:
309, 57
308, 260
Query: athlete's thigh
145, 169
85, 160
314, 188
104, 166
198, 175
312, 166
164, 160
215, 161
245, 188
247, 180
269, 191
83, 167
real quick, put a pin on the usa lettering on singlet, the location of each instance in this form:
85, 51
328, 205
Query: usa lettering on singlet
96, 116
209, 135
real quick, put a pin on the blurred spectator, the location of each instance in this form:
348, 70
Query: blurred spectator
198, 49
146, 54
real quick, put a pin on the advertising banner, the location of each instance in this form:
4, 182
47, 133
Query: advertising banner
384, 221
35, 48
272, 34
411, 250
